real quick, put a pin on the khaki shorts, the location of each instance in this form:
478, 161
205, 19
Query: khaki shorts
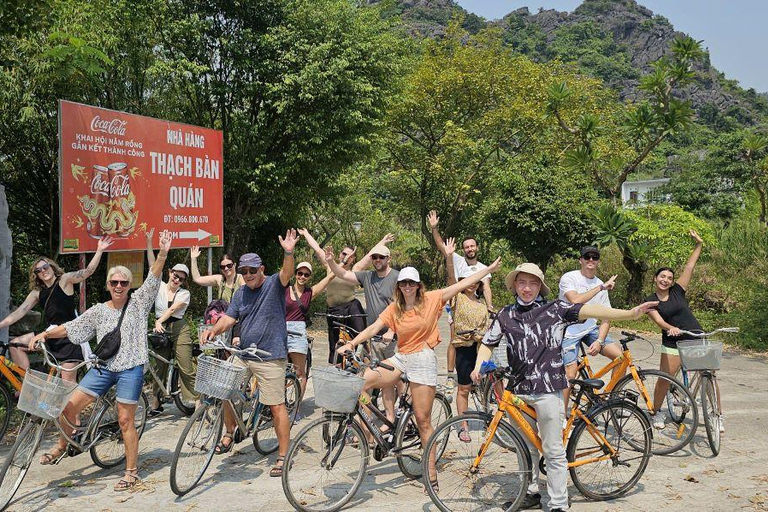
419, 367
270, 377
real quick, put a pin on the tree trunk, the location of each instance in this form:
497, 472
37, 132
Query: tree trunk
761, 193
6, 251
636, 277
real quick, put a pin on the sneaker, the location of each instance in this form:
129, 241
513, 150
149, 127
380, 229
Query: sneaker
659, 420
450, 384
530, 502
721, 423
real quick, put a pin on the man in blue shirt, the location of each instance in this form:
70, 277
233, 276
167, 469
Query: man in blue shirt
259, 306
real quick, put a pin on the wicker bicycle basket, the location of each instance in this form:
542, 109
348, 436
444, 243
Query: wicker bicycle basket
217, 378
336, 390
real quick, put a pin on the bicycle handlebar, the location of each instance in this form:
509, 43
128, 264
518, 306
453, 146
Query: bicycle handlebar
6, 344
53, 363
707, 334
250, 351
331, 315
348, 354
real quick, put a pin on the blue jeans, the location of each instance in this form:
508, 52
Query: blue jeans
129, 383
570, 346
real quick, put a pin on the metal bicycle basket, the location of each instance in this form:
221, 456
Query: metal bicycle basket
217, 378
336, 390
43, 395
700, 354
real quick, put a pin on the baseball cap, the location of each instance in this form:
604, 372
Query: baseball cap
383, 250
181, 268
304, 264
409, 273
590, 249
250, 259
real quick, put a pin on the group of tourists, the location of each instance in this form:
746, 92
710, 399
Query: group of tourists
537, 335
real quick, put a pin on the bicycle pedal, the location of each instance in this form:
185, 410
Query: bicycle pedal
71, 451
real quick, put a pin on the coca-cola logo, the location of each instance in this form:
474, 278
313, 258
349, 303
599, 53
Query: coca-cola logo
112, 127
118, 186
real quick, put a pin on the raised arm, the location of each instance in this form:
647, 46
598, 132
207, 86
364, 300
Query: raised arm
212, 280
433, 220
455, 289
448, 249
366, 260
338, 270
81, 275
323, 284
150, 251
313, 244
21, 311
685, 277
165, 245
605, 313
288, 244
575, 297
487, 294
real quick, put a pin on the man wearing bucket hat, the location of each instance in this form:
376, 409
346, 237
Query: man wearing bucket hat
533, 329
259, 306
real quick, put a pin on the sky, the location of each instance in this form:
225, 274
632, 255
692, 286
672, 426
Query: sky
733, 31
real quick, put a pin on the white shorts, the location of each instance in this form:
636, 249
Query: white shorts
419, 367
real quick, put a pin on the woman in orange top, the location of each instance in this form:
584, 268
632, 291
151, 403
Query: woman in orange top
413, 316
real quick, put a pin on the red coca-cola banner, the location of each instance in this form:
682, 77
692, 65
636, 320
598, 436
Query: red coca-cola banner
122, 175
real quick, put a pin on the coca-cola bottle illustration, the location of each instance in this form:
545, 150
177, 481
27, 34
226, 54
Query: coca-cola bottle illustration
121, 219
96, 206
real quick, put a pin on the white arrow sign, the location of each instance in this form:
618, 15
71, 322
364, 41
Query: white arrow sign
199, 234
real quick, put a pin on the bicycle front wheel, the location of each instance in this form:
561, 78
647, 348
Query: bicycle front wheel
108, 449
498, 482
408, 440
325, 464
186, 407
17, 464
6, 410
710, 410
196, 447
627, 432
679, 414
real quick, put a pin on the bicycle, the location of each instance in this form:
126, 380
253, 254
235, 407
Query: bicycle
11, 375
702, 357
680, 403
44, 397
485, 393
346, 333
607, 438
170, 385
335, 445
219, 383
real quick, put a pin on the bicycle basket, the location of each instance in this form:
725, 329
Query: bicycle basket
217, 378
335, 389
44, 395
700, 354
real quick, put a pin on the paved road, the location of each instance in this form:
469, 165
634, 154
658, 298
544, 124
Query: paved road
688, 480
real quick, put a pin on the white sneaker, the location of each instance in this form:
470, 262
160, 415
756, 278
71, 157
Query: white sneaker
450, 384
721, 421
659, 420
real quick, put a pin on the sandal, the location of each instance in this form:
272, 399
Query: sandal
155, 412
53, 457
433, 484
464, 435
277, 471
124, 484
224, 448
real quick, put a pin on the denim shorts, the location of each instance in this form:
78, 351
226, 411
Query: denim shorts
128, 383
570, 346
297, 343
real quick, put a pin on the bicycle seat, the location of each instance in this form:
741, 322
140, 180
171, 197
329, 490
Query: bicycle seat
588, 383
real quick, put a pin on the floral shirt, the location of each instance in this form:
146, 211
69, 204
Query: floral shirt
101, 319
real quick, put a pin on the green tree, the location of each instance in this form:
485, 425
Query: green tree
754, 147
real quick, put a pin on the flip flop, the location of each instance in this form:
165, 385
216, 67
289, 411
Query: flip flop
53, 457
224, 448
277, 471
124, 484
464, 435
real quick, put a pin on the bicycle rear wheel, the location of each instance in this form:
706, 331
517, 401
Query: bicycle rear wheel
108, 449
196, 447
6, 410
711, 411
499, 482
678, 407
264, 434
15, 467
325, 464
186, 407
408, 440
627, 430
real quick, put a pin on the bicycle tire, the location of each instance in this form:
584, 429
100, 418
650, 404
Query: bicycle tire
109, 450
685, 416
618, 422
330, 437
501, 480
6, 410
200, 436
710, 412
407, 440
17, 463
264, 434
309, 362
187, 409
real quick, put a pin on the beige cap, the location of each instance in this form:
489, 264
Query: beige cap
527, 268
304, 264
383, 250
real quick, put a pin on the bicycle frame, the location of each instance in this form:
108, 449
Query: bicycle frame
623, 362
87, 434
12, 372
162, 384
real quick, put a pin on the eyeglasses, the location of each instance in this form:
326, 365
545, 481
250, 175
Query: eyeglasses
343, 255
594, 257
226, 266
44, 266
407, 284
177, 276
113, 283
248, 270
378, 257
303, 274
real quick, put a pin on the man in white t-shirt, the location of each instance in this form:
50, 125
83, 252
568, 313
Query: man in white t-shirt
462, 266
584, 287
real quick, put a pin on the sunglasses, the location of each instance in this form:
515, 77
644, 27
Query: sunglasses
378, 257
113, 283
248, 270
303, 274
594, 257
226, 266
177, 276
407, 284
44, 266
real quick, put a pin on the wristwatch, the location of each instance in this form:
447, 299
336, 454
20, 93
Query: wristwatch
602, 287
288, 253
